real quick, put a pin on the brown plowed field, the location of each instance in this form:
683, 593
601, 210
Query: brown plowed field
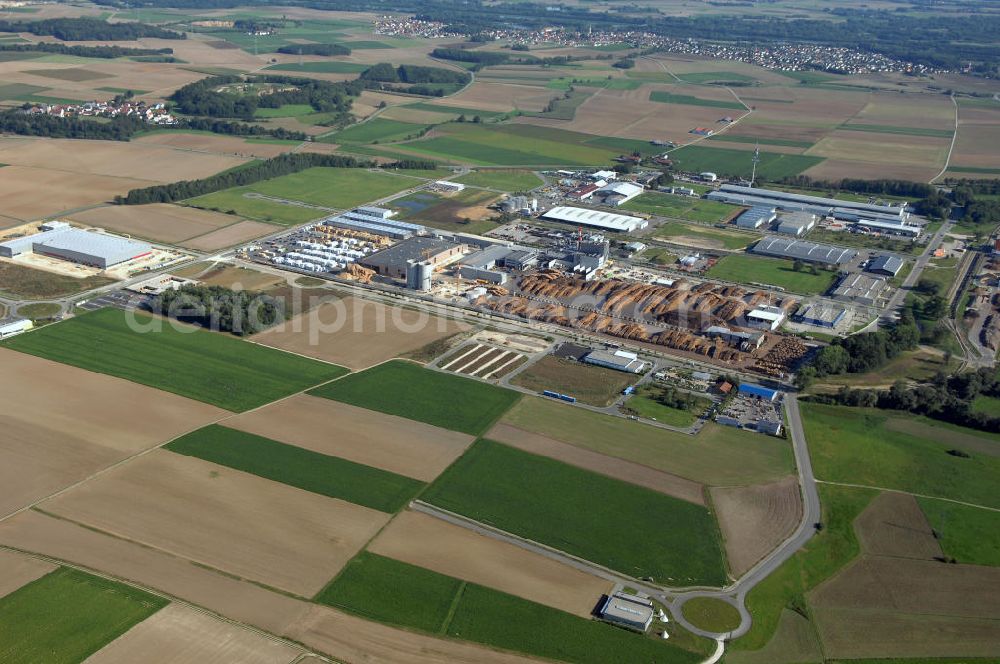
61, 424
837, 169
178, 634
977, 145
502, 97
422, 540
33, 193
238, 233
159, 222
233, 521
358, 333
384, 441
671, 485
756, 519
17, 570
344, 637
894, 525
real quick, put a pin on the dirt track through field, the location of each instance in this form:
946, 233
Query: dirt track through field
396, 444
17, 570
62, 424
420, 539
179, 634
756, 519
671, 485
337, 634
232, 521
358, 333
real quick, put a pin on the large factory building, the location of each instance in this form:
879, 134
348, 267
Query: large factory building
78, 246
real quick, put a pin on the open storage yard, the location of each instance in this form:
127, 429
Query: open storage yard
444, 400
583, 513
358, 333
226, 519
207, 366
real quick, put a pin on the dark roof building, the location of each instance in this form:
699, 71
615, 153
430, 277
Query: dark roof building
886, 265
392, 262
811, 252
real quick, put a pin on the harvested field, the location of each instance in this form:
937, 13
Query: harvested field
501, 97
627, 471
178, 634
383, 441
887, 607
358, 333
33, 193
597, 386
17, 570
794, 642
422, 540
113, 159
214, 143
159, 222
894, 525
755, 519
977, 144
240, 278
99, 420
226, 519
342, 636
238, 233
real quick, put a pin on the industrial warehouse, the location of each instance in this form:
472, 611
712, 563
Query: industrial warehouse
810, 252
60, 240
604, 220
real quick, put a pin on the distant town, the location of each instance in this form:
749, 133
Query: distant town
784, 57
156, 114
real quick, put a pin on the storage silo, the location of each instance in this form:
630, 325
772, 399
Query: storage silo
419, 274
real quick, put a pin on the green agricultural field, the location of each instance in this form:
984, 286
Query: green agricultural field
299, 467
644, 404
753, 140
583, 513
969, 534
732, 162
689, 100
822, 556
286, 111
718, 455
211, 367
715, 77
394, 592
597, 386
335, 188
858, 446
983, 404
505, 180
444, 400
681, 207
746, 269
377, 130
608, 82
705, 235
398, 593
236, 202
68, 615
320, 67
510, 145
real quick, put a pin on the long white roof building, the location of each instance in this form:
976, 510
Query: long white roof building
606, 220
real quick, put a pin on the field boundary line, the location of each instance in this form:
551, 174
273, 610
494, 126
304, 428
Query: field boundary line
909, 493
453, 609
951, 149
305, 651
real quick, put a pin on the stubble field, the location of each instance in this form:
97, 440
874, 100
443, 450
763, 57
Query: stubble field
159, 222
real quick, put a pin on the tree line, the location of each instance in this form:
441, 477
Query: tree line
386, 73
946, 398
879, 187
103, 52
861, 353
222, 309
252, 173
89, 29
314, 49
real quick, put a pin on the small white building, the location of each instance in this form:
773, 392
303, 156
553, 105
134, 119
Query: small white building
766, 318
709, 176
14, 325
447, 185
620, 360
603, 175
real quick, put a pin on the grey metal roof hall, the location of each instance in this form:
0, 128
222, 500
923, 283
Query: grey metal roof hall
886, 264
812, 252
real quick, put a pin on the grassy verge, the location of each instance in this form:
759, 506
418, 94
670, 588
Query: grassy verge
703, 236
583, 513
215, 368
745, 269
444, 400
682, 207
504, 180
67, 615
299, 467
711, 614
